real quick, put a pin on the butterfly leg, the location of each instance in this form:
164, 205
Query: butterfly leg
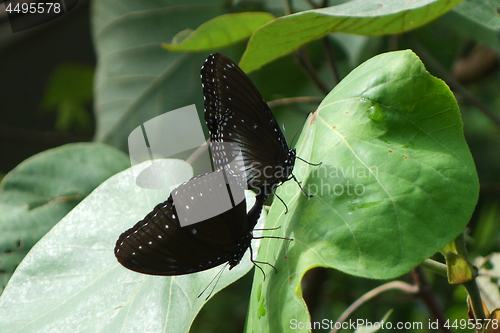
301, 188
277, 196
255, 262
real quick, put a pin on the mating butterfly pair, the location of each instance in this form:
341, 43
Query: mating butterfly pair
245, 140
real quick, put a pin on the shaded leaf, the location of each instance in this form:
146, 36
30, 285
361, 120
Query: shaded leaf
137, 79
479, 19
44, 188
68, 82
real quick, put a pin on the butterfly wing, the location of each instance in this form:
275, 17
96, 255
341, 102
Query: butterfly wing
159, 245
239, 120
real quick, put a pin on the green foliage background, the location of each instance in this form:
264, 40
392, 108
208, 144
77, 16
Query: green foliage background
387, 114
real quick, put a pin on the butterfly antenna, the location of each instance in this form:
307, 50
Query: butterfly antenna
298, 131
275, 237
219, 274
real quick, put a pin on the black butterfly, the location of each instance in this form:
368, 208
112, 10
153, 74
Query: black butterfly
239, 120
160, 244
198, 228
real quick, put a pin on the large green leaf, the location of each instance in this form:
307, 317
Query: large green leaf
41, 190
397, 183
71, 282
362, 17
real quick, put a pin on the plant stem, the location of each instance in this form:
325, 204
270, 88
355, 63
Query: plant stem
394, 285
310, 71
313, 4
288, 7
471, 286
460, 246
435, 266
475, 300
429, 299
294, 100
330, 59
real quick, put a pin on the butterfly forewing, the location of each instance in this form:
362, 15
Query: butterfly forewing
237, 115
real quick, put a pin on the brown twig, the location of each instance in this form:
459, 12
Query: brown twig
429, 300
294, 100
330, 59
394, 285
313, 4
310, 71
471, 286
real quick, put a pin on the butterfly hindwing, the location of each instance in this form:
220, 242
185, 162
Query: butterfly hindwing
159, 245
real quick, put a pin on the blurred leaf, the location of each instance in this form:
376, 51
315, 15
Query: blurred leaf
68, 82
136, 78
68, 90
487, 230
488, 280
220, 32
362, 17
72, 113
353, 46
443, 41
397, 183
478, 18
71, 281
43, 189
